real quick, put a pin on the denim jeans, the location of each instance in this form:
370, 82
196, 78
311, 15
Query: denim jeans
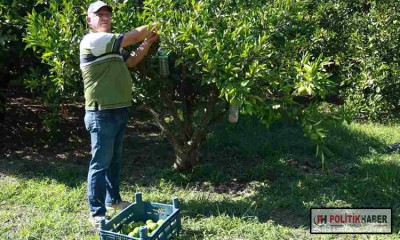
107, 131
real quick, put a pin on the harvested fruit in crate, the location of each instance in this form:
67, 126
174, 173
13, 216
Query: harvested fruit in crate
145, 221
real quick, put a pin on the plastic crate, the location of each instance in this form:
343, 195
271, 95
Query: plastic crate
142, 211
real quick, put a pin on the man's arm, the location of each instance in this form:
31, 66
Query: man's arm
136, 56
137, 35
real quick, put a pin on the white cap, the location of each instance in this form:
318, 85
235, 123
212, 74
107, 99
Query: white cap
94, 7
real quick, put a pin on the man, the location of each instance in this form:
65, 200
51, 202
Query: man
108, 88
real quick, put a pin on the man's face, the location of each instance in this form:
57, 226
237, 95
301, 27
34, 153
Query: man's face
100, 21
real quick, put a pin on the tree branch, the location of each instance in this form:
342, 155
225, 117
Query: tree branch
164, 127
174, 111
201, 130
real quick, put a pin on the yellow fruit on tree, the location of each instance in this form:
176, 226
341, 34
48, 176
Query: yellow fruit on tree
302, 90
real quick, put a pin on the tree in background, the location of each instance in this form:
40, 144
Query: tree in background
220, 53
15, 60
245, 53
362, 37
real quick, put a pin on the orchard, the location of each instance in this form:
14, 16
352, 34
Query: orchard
251, 113
220, 53
278, 60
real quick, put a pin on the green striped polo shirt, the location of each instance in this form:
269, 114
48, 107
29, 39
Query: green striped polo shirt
107, 81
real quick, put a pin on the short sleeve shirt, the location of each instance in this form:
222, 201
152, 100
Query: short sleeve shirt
107, 81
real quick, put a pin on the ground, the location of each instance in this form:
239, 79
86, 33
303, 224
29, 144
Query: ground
251, 183
24, 136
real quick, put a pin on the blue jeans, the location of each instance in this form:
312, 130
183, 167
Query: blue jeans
107, 131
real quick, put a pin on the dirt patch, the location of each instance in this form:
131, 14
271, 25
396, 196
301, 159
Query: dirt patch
23, 133
23, 136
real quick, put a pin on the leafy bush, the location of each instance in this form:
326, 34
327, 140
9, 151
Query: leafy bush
251, 54
219, 51
374, 91
362, 39
14, 59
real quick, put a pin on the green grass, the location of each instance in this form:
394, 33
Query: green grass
252, 183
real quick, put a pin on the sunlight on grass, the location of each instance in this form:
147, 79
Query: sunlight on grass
264, 192
37, 208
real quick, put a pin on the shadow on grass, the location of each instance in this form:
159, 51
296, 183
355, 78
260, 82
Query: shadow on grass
70, 174
271, 174
144, 151
236, 156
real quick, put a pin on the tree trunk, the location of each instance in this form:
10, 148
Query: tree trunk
186, 157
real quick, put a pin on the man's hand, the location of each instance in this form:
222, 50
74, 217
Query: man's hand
142, 51
139, 34
151, 38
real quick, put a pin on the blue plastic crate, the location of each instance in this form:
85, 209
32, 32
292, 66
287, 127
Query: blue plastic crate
142, 211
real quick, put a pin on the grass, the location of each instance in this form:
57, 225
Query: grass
252, 183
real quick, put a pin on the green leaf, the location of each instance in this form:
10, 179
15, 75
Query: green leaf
47, 54
244, 83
